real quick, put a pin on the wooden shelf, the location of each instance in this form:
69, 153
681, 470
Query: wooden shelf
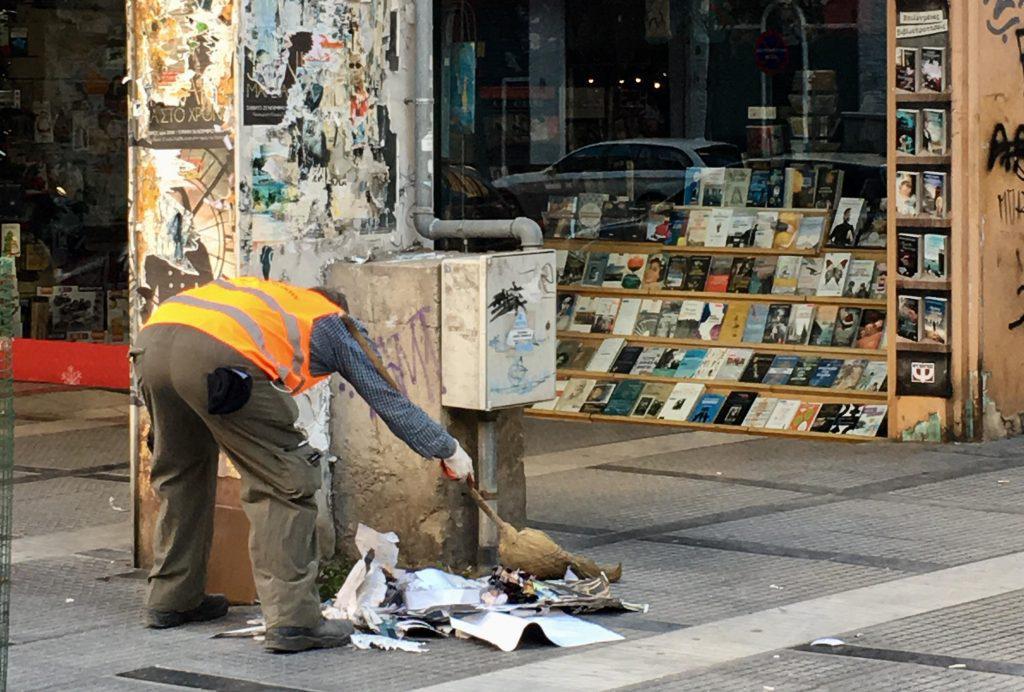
735, 429
816, 393
721, 297
597, 245
922, 347
869, 354
781, 210
924, 284
923, 222
923, 97
924, 160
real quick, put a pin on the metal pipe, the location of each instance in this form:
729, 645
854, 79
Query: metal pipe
426, 224
487, 484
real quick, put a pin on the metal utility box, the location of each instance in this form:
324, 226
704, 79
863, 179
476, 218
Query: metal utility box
498, 329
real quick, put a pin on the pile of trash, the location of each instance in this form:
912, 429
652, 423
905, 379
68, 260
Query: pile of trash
388, 605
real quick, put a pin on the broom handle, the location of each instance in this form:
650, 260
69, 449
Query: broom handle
484, 507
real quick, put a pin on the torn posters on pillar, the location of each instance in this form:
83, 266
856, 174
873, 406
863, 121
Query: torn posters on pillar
314, 165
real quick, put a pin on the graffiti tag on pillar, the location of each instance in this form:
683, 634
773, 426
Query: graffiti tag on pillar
999, 24
1011, 206
1020, 320
1006, 153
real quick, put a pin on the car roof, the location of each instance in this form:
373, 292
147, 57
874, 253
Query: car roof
676, 142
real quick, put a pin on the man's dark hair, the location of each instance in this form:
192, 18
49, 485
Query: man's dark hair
336, 297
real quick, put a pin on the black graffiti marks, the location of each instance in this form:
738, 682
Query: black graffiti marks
1007, 153
507, 300
1020, 320
1011, 206
997, 25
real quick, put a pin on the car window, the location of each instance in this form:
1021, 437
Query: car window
719, 155
666, 159
584, 160
624, 157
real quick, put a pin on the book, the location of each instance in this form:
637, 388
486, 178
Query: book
933, 70
654, 271
691, 362
810, 233
560, 217
803, 371
860, 279
736, 185
706, 410
583, 315
648, 360
697, 227
710, 328
589, 206
593, 274
908, 255
605, 355
846, 222
718, 274
935, 320
776, 188
801, 181
581, 359
697, 270
829, 187
810, 276
648, 317
873, 379
787, 275
712, 187
870, 421
669, 318
850, 374
834, 271
934, 133
651, 400
624, 398
781, 369
682, 401
934, 264
742, 229
878, 286
760, 412
735, 408
719, 225
575, 395
758, 367
625, 320
565, 351
908, 199
605, 310
845, 419
566, 306
871, 330
847, 324
777, 326
757, 319
624, 270
787, 229
714, 360
782, 414
625, 360
933, 193
763, 276
690, 314
803, 417
800, 322
906, 68
826, 373
598, 398
669, 362
826, 416
740, 274
824, 325
575, 267
733, 325
691, 185
874, 233
908, 131
675, 272
551, 403
677, 222
736, 360
757, 193
908, 318
764, 228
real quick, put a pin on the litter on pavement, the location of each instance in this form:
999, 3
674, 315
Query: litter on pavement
389, 605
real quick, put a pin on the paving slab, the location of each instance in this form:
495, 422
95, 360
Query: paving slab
67, 503
543, 436
1001, 491
100, 445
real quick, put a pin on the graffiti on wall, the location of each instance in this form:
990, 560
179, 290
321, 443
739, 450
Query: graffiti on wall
1002, 16
1006, 153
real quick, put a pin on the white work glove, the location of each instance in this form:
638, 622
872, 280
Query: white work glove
457, 467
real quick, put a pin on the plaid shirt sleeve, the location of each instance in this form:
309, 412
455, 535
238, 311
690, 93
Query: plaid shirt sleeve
332, 349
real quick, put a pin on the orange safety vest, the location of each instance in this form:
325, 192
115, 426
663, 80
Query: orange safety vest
268, 322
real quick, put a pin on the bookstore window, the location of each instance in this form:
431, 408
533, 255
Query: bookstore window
63, 167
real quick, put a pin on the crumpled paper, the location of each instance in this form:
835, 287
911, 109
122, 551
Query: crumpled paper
366, 585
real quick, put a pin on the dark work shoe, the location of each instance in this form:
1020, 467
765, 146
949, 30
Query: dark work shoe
327, 635
212, 607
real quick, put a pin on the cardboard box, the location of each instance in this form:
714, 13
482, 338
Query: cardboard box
230, 569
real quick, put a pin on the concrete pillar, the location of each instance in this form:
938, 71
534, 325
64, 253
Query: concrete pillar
380, 482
